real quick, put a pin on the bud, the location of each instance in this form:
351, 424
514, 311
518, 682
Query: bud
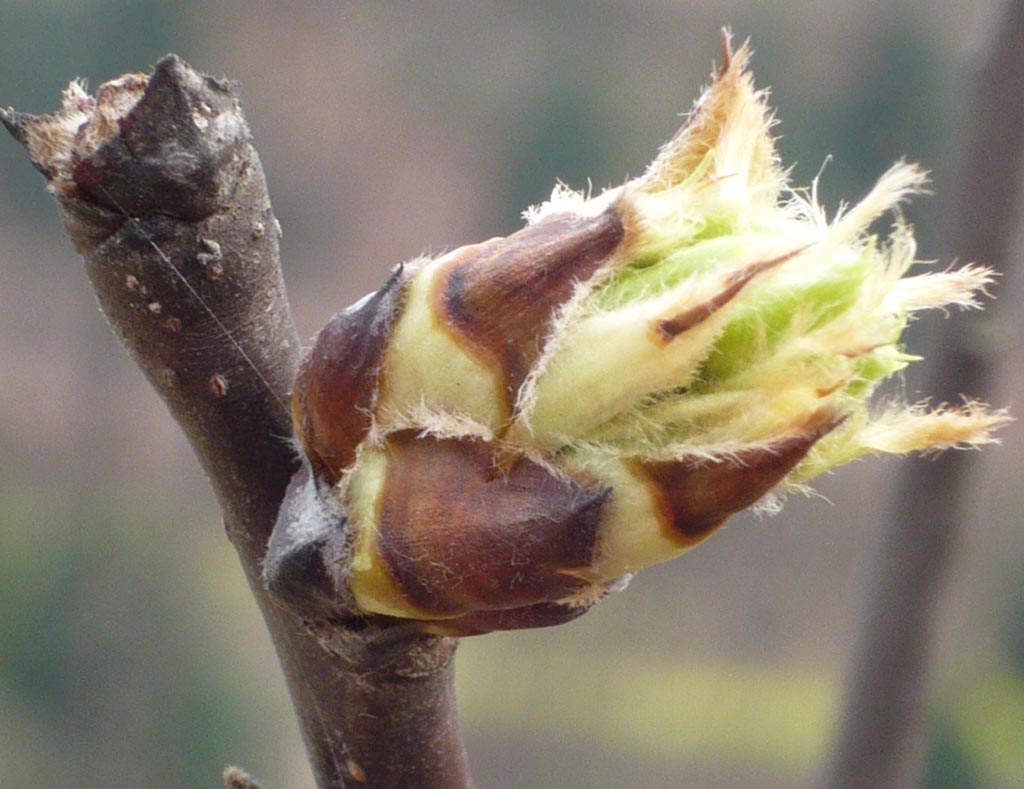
514, 428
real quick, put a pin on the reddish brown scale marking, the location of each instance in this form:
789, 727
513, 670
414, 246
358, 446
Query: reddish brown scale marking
825, 391
499, 298
532, 616
668, 329
856, 354
694, 497
335, 389
457, 539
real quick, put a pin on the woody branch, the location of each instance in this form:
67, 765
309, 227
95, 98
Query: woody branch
163, 196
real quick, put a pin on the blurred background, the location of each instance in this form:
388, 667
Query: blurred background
130, 652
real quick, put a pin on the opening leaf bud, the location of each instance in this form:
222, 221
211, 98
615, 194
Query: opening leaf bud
517, 426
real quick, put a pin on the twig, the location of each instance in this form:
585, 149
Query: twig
163, 195
881, 739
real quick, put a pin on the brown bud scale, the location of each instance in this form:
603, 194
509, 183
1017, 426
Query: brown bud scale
336, 387
499, 298
459, 538
695, 496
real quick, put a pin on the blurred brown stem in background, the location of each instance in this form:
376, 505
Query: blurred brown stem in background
881, 741
163, 195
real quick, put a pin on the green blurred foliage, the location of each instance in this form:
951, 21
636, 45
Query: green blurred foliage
950, 765
101, 651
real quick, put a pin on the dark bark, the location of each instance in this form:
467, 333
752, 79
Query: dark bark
171, 215
882, 737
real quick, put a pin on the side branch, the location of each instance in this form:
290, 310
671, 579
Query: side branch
163, 195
